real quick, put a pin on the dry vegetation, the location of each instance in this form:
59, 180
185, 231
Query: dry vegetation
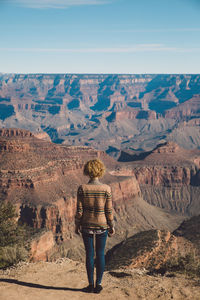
14, 238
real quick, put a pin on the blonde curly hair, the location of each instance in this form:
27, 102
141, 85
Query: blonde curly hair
94, 168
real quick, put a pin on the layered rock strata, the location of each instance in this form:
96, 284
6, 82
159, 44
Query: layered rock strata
150, 250
95, 110
168, 177
41, 179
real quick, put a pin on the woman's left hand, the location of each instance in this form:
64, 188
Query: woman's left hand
111, 231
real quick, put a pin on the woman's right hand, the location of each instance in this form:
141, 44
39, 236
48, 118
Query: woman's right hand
77, 229
111, 231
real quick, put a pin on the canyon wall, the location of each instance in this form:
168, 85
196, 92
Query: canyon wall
41, 179
169, 177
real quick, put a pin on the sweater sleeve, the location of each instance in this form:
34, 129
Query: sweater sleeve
79, 209
109, 209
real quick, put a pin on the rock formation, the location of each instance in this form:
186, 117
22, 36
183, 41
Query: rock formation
159, 249
122, 111
41, 179
41, 246
150, 250
168, 177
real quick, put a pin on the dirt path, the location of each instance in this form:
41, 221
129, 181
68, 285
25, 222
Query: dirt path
64, 280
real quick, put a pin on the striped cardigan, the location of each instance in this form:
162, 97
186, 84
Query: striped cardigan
94, 207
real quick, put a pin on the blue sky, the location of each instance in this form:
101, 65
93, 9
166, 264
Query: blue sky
100, 36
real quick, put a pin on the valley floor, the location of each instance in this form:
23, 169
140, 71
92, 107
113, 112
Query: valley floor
65, 278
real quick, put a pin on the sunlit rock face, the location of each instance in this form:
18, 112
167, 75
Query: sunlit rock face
103, 111
169, 177
151, 250
41, 178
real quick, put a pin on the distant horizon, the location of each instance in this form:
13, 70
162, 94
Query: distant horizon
71, 73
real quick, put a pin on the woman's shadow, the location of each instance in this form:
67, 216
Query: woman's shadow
39, 286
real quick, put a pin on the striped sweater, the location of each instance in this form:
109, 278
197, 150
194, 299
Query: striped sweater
94, 206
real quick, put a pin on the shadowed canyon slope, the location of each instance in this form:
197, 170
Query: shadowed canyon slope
150, 250
189, 229
41, 179
107, 112
158, 249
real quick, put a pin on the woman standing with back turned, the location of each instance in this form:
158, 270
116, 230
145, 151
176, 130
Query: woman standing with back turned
94, 219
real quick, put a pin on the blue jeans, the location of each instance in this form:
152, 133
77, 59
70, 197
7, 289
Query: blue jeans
88, 240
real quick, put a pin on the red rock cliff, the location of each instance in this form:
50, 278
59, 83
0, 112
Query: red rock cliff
168, 177
42, 178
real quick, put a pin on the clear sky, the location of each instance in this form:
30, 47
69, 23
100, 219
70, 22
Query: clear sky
100, 36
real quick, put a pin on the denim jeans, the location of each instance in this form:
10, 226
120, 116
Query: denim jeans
88, 240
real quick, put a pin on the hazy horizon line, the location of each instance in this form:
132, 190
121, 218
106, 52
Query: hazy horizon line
119, 49
57, 4
98, 73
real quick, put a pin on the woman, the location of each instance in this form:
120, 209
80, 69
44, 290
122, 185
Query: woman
94, 219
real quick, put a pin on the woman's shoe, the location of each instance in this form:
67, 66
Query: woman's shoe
88, 289
98, 289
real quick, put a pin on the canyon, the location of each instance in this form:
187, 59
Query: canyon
41, 179
168, 176
145, 128
112, 113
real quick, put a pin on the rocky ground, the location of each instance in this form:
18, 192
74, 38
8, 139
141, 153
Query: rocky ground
65, 278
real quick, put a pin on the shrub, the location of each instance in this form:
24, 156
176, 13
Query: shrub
189, 265
14, 237
7, 224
